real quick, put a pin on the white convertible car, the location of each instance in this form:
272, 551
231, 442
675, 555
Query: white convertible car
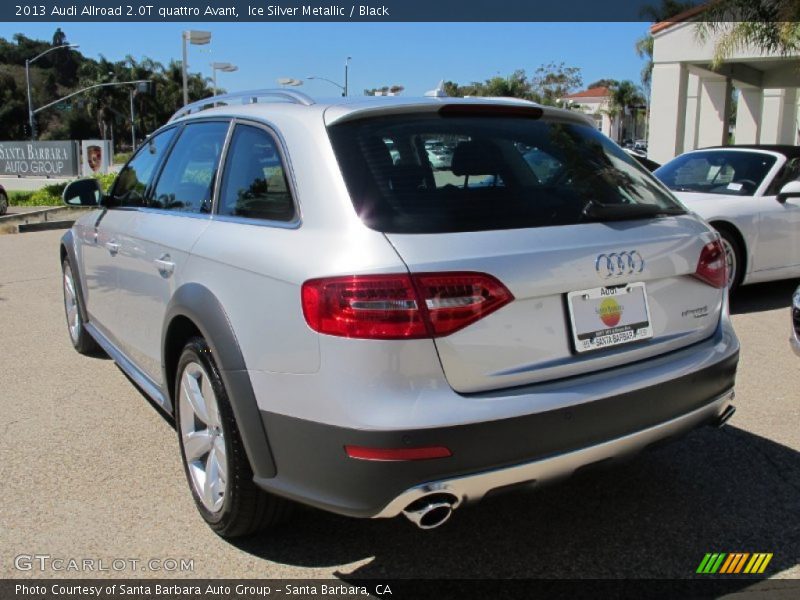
751, 195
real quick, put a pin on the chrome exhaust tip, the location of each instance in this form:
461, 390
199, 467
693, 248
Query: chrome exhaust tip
726, 415
432, 511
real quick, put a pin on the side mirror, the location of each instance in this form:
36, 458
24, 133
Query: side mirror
790, 190
83, 192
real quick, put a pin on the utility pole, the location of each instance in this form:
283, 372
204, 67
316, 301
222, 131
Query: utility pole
133, 125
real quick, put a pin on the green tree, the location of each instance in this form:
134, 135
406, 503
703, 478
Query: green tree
667, 9
59, 37
626, 98
549, 83
553, 81
93, 113
772, 27
452, 89
13, 109
644, 50
515, 85
644, 45
607, 83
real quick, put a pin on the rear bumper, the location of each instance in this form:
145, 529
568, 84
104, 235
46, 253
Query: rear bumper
472, 488
312, 466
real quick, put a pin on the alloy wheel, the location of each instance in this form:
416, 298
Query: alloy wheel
203, 437
71, 305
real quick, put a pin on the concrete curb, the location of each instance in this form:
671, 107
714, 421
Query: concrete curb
56, 217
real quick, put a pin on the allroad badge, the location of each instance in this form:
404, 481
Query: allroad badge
617, 264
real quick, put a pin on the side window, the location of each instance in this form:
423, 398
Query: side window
186, 183
789, 172
254, 184
131, 184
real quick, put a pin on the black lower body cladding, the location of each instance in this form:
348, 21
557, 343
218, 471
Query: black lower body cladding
312, 465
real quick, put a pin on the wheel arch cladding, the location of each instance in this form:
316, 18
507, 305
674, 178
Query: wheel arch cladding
195, 310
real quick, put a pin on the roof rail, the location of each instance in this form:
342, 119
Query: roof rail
246, 97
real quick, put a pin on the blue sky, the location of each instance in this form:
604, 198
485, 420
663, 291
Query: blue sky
415, 55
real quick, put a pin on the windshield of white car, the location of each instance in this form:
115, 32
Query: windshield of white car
438, 173
726, 172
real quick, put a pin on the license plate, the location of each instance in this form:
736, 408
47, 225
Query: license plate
609, 316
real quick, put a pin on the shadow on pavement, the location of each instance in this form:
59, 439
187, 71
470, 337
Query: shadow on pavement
763, 296
654, 517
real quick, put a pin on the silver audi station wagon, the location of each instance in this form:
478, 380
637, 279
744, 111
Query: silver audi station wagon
335, 321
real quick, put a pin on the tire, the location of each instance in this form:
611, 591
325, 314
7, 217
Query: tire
81, 340
734, 256
3, 203
228, 500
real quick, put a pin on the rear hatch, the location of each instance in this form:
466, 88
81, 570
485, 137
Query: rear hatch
531, 338
604, 266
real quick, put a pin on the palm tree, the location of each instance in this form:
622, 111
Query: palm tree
644, 45
769, 25
644, 50
626, 96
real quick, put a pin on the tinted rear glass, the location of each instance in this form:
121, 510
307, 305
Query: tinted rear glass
433, 173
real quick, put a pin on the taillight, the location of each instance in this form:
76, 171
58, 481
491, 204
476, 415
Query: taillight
455, 300
712, 267
400, 306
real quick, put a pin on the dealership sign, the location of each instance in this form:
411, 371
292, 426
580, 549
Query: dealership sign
39, 159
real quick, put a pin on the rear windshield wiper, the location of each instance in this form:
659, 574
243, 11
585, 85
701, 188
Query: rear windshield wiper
598, 211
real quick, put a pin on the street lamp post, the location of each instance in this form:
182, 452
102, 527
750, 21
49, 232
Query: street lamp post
331, 81
221, 66
344, 87
137, 82
133, 125
28, 63
346, 68
142, 87
198, 38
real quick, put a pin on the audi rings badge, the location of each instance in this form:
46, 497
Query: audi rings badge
619, 264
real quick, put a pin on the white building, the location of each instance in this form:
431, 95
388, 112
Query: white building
691, 104
594, 102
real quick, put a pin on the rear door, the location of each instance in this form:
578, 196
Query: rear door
599, 257
160, 236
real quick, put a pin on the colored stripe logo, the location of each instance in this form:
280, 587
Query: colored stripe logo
734, 563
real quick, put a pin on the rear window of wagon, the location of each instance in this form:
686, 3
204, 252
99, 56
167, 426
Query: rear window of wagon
438, 173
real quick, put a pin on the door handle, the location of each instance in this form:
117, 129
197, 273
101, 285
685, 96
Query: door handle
164, 265
112, 248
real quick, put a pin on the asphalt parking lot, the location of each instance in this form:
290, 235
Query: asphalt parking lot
91, 469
